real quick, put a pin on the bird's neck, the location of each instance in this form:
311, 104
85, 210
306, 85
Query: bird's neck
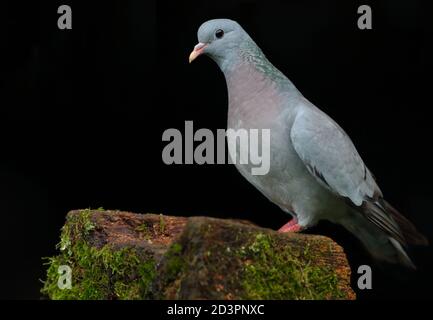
249, 65
253, 82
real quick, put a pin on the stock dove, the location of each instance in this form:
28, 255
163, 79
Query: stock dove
315, 170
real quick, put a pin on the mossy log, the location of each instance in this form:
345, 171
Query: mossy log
120, 255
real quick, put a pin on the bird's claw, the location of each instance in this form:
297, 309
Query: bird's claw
291, 226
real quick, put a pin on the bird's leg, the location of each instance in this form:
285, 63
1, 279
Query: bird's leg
291, 226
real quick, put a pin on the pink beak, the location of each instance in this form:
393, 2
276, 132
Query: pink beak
198, 50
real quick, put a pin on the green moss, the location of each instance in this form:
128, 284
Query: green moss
76, 226
97, 273
279, 273
170, 272
175, 264
144, 231
101, 274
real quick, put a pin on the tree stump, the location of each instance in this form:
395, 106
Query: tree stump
121, 255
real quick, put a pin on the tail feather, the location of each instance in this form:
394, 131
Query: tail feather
384, 232
408, 230
381, 247
402, 255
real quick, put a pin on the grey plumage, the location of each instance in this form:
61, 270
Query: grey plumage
316, 172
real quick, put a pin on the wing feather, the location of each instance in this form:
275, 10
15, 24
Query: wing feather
331, 157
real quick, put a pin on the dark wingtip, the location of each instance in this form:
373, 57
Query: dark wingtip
410, 233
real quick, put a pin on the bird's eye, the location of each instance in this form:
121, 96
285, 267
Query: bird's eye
219, 33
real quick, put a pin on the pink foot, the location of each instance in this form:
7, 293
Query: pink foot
291, 226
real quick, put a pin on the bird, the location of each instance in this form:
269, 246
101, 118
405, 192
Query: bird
316, 172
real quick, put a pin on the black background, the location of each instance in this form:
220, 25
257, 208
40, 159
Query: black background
82, 113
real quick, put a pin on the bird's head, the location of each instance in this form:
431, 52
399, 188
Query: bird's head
219, 39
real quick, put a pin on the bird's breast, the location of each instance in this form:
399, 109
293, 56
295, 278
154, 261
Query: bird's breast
254, 100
